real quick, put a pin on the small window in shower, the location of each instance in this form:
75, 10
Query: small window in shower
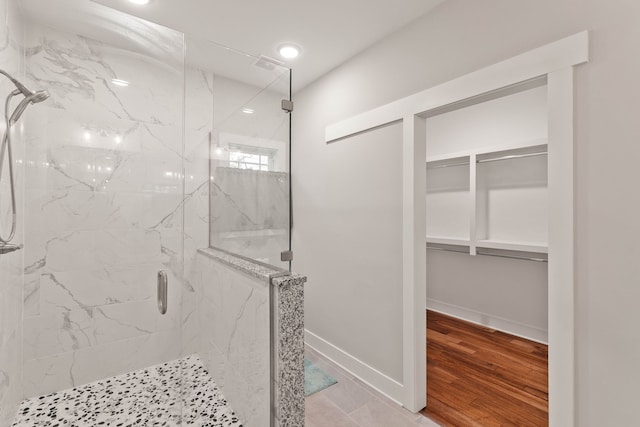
249, 157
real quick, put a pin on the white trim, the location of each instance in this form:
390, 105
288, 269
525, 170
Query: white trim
488, 149
567, 52
498, 323
414, 263
561, 243
367, 374
513, 246
472, 204
555, 61
448, 241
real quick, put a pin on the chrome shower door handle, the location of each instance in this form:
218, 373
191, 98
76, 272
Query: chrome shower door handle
163, 291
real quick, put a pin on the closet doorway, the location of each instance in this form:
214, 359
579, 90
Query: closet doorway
555, 62
487, 268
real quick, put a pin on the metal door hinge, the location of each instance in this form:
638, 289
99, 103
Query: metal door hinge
286, 256
287, 105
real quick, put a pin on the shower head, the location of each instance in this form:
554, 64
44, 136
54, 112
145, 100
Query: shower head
34, 98
39, 96
22, 88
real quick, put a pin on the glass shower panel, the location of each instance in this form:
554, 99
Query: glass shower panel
104, 195
249, 152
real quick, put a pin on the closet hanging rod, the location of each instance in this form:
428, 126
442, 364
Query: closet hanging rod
492, 159
525, 258
512, 156
447, 165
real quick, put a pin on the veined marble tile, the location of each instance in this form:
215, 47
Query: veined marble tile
55, 213
117, 170
163, 175
233, 201
66, 370
115, 248
118, 322
31, 295
162, 141
196, 215
78, 72
49, 126
126, 209
163, 212
199, 95
58, 333
190, 322
84, 289
48, 374
234, 318
104, 175
72, 251
196, 159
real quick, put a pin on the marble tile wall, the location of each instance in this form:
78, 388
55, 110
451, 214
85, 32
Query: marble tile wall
11, 60
233, 308
243, 305
250, 213
103, 209
249, 209
198, 126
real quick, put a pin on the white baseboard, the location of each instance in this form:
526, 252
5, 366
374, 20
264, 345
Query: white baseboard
493, 322
367, 374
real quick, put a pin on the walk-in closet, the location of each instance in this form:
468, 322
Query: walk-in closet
487, 225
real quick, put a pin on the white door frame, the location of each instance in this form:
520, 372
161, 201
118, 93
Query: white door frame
555, 61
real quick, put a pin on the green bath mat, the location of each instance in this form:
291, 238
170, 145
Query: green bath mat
315, 379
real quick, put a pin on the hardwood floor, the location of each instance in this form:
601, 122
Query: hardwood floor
477, 376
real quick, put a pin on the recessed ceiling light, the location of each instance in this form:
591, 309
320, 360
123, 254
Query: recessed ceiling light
289, 51
120, 82
140, 2
248, 110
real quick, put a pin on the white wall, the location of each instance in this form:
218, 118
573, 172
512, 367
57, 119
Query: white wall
505, 294
355, 192
457, 38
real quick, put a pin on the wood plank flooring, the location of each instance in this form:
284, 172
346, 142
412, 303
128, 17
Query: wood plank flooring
477, 376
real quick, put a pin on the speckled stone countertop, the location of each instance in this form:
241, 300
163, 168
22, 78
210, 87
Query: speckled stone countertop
247, 266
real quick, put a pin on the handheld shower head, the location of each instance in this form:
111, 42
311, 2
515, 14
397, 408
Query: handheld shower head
39, 96
34, 98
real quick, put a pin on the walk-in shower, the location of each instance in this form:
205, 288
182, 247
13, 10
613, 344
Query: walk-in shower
151, 147
30, 97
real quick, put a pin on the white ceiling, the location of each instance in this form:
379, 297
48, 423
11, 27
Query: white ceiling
329, 31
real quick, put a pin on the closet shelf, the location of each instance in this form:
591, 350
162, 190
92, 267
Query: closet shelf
457, 241
513, 246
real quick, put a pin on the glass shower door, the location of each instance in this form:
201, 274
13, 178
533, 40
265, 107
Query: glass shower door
103, 212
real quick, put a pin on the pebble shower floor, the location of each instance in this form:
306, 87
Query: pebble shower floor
147, 397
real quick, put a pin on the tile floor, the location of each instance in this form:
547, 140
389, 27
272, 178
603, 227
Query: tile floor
351, 403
